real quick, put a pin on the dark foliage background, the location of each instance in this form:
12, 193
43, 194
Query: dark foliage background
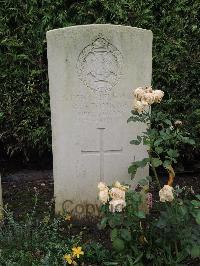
25, 131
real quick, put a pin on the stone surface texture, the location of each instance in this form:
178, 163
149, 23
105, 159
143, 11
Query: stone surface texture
93, 70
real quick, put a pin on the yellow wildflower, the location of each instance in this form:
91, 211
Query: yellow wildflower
68, 258
68, 217
77, 251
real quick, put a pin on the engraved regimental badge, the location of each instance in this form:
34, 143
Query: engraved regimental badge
99, 65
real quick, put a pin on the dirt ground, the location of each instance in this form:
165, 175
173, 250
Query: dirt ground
19, 194
19, 188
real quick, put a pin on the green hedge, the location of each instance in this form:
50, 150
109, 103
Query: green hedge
25, 130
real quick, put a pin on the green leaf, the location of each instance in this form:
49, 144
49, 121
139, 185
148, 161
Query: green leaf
140, 214
135, 142
191, 142
142, 163
156, 162
138, 259
183, 210
125, 234
161, 222
195, 251
103, 222
149, 178
134, 113
167, 163
168, 122
132, 169
172, 153
197, 218
157, 142
130, 119
118, 244
114, 234
115, 220
130, 261
158, 150
143, 182
133, 119
195, 203
110, 263
197, 196
135, 165
146, 140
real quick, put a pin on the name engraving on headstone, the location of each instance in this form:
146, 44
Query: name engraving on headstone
103, 107
99, 65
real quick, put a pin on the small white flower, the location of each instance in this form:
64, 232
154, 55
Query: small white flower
192, 190
178, 123
166, 193
117, 205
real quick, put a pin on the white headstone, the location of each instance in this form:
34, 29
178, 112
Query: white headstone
93, 70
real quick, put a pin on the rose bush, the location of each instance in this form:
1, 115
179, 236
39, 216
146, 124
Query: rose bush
143, 232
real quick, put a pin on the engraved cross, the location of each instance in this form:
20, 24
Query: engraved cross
101, 152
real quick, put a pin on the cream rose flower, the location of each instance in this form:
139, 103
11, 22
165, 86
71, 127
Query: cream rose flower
144, 103
166, 193
138, 93
117, 205
148, 98
158, 95
117, 184
103, 192
138, 106
117, 193
104, 196
120, 186
102, 186
148, 89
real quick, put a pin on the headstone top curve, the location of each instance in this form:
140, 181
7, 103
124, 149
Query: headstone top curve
78, 27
